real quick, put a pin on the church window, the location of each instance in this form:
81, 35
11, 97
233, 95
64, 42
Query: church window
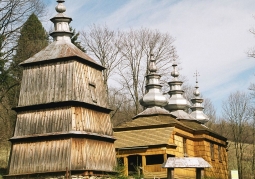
185, 151
212, 150
154, 159
219, 152
92, 88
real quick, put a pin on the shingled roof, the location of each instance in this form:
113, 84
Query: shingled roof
147, 122
154, 130
59, 50
144, 137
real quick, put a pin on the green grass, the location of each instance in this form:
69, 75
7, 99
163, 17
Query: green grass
4, 155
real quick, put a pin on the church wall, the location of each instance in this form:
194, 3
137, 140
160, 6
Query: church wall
41, 156
199, 146
59, 154
92, 155
219, 168
63, 120
62, 81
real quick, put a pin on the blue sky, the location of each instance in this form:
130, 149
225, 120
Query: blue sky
212, 36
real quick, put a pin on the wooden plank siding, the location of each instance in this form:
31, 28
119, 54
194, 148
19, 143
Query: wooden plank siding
197, 145
40, 156
92, 155
63, 119
37, 146
61, 81
56, 155
92, 121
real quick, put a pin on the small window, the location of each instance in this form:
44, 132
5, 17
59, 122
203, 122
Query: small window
154, 159
92, 88
219, 152
185, 151
212, 150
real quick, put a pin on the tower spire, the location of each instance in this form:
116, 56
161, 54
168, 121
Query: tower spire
61, 24
153, 97
197, 108
177, 103
153, 100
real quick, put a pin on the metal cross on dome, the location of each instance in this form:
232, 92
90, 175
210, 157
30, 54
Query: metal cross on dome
196, 75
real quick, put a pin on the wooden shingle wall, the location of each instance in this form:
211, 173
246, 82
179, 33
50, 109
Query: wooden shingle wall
219, 167
37, 157
52, 133
56, 155
92, 155
61, 81
62, 120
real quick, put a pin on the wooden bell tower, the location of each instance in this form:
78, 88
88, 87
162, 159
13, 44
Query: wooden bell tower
63, 126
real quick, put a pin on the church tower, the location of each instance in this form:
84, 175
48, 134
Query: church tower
153, 100
177, 104
197, 108
63, 126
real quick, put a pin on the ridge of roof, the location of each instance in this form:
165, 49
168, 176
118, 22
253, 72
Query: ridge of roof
58, 50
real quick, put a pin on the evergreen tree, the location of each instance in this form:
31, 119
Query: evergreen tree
75, 38
33, 38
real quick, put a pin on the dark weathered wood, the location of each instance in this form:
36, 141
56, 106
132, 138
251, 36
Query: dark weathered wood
62, 120
92, 155
199, 173
60, 126
62, 81
170, 173
33, 157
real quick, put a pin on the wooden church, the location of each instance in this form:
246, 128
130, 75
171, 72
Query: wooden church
165, 130
63, 127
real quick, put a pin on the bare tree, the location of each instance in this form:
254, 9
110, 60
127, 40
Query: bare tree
13, 14
102, 43
236, 110
136, 48
126, 54
121, 105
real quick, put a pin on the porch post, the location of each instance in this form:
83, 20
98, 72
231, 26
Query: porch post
199, 173
143, 163
170, 173
126, 166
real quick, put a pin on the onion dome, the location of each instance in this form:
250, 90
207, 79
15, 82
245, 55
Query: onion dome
177, 103
153, 100
61, 24
197, 108
153, 97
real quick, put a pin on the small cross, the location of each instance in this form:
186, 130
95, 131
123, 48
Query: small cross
196, 75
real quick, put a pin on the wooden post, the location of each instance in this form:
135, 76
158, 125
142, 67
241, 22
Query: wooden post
199, 173
165, 157
170, 173
126, 166
67, 175
143, 163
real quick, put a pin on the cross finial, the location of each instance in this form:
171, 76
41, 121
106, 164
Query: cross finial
196, 75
